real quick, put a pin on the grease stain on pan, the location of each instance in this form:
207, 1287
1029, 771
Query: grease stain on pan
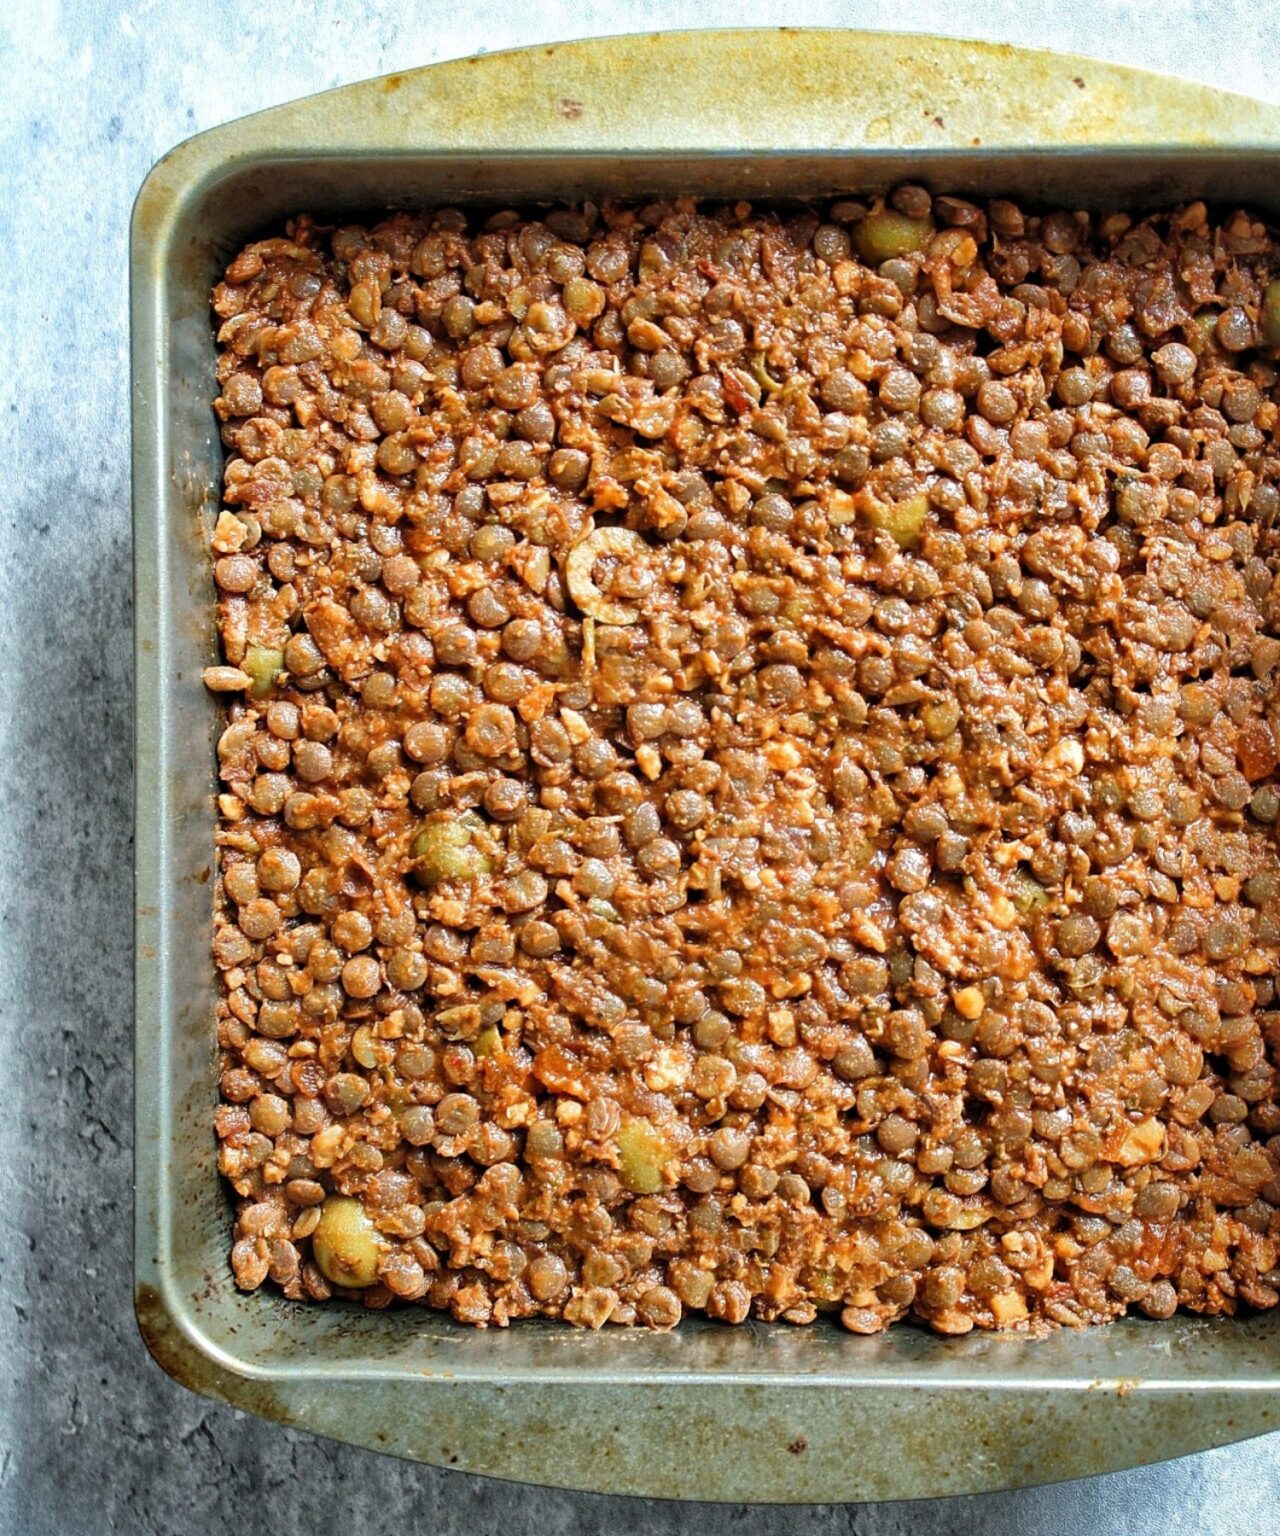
180, 1359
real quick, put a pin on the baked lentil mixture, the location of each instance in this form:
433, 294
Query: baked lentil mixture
750, 772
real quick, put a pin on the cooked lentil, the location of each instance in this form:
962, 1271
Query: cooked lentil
750, 763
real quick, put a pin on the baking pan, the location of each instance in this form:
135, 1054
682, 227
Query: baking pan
757, 1412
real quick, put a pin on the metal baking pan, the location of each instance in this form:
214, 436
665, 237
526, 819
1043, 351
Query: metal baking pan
757, 1412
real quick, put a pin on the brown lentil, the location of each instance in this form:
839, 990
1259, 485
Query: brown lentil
750, 764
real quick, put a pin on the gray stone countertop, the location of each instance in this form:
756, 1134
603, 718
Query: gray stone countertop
93, 1438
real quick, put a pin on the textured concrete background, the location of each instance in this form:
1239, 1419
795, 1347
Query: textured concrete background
92, 1437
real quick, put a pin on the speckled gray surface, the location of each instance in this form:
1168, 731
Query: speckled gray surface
92, 1437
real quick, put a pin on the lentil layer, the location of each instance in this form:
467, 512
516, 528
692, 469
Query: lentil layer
750, 769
